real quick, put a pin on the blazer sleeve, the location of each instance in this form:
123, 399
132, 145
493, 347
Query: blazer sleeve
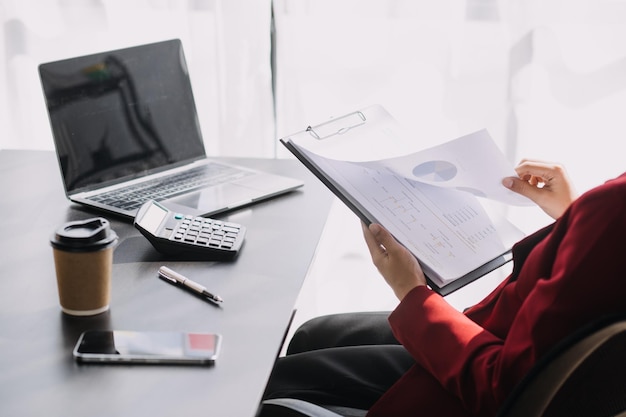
575, 275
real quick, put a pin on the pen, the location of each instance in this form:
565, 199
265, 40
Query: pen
176, 278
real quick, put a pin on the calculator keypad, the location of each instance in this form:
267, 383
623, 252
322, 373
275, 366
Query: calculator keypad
202, 231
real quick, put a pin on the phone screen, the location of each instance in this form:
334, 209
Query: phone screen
147, 347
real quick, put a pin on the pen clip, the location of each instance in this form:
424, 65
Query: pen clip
166, 275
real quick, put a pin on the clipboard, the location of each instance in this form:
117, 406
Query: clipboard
357, 138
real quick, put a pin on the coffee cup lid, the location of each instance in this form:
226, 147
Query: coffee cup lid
84, 235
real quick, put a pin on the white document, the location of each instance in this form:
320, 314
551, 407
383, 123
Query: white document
471, 163
429, 201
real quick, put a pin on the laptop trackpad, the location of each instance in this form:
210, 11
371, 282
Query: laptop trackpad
215, 198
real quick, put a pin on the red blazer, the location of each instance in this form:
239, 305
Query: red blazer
564, 276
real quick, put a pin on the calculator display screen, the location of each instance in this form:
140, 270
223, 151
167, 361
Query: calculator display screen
152, 219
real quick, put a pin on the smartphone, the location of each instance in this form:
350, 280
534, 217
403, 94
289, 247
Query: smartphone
120, 346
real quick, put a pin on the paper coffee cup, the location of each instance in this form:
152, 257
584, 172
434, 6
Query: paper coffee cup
83, 259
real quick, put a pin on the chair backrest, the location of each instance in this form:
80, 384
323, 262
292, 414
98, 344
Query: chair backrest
583, 376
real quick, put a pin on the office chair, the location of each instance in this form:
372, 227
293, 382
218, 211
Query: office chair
585, 375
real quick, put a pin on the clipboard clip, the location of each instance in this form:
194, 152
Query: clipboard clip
337, 126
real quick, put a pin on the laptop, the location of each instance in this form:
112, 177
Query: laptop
126, 130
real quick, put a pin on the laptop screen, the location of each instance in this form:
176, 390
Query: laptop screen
121, 114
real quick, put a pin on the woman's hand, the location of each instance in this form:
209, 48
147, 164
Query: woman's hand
394, 262
545, 183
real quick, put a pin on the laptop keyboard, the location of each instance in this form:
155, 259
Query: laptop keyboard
158, 189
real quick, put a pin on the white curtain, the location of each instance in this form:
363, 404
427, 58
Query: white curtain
227, 44
547, 78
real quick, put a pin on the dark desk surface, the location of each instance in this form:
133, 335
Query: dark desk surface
39, 377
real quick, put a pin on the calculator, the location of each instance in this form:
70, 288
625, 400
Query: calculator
189, 237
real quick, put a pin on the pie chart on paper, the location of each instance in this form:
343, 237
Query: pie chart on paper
435, 171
